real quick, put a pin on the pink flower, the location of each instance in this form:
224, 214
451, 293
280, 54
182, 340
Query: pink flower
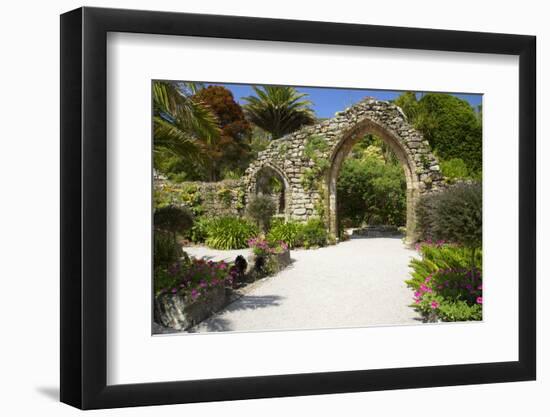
479, 300
435, 304
195, 294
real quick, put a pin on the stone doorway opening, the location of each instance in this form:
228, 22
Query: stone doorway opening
272, 183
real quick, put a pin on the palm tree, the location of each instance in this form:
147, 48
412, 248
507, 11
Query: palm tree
181, 126
278, 110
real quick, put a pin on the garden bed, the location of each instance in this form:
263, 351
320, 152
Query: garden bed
180, 309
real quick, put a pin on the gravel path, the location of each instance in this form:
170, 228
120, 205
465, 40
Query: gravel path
355, 283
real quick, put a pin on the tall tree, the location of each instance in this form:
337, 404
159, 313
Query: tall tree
231, 152
278, 110
450, 125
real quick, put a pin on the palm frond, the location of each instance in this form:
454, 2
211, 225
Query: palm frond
179, 123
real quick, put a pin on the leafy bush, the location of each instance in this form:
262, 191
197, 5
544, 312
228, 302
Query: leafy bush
261, 209
453, 215
199, 231
449, 124
454, 169
445, 285
372, 191
460, 311
288, 232
166, 249
229, 233
173, 219
440, 256
313, 233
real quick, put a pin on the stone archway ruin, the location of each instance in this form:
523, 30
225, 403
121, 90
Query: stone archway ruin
309, 160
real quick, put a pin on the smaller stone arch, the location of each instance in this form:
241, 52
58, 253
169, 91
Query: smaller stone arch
260, 183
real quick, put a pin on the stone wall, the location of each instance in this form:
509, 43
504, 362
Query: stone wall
223, 198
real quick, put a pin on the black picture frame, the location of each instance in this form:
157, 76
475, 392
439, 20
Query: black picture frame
84, 207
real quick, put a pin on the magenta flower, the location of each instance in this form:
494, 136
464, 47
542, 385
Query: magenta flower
435, 304
195, 294
479, 300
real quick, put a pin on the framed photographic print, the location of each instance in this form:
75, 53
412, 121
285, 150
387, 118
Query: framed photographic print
256, 208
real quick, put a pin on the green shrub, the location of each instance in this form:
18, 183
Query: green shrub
453, 215
460, 311
199, 231
261, 209
288, 232
372, 191
437, 257
454, 169
172, 219
313, 233
166, 249
229, 233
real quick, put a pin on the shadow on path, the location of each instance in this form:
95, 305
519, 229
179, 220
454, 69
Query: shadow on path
217, 323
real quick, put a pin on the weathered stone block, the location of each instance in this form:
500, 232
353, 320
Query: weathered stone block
178, 312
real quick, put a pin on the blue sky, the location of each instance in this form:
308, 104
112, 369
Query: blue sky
327, 101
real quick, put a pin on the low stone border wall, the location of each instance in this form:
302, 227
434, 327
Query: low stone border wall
377, 231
